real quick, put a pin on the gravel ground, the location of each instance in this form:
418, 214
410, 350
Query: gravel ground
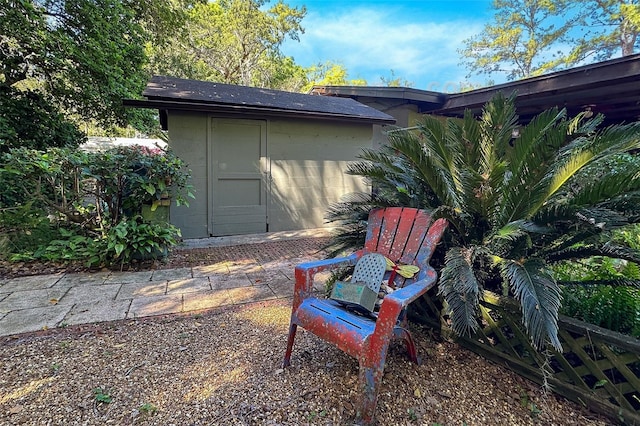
222, 367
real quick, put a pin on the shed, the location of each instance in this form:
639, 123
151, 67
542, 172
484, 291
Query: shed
262, 160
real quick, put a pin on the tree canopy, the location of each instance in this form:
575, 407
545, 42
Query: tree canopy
86, 54
233, 41
532, 37
78, 58
329, 74
612, 28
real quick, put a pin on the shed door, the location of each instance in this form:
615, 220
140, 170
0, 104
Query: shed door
239, 177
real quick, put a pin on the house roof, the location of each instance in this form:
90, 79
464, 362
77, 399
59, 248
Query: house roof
610, 87
168, 93
424, 98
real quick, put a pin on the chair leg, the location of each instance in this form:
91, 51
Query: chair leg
292, 335
369, 379
403, 333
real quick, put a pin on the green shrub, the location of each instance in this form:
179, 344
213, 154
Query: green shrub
69, 247
604, 291
23, 229
614, 308
67, 205
131, 239
135, 239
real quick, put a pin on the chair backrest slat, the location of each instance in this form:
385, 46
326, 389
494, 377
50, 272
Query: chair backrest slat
387, 237
428, 245
400, 233
416, 239
403, 235
374, 226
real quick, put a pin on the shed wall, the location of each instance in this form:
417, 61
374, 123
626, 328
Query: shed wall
306, 162
188, 135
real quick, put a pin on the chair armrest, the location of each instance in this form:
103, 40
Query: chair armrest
316, 266
395, 302
305, 272
408, 294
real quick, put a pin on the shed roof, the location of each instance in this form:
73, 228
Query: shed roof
168, 93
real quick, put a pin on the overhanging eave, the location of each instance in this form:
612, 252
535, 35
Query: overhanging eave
251, 111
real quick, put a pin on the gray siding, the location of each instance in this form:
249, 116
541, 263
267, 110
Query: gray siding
306, 160
308, 163
188, 139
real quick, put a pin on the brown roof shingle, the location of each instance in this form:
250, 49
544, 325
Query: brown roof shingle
176, 93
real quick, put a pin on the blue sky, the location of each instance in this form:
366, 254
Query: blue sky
418, 40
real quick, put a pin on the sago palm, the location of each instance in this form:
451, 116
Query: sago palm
517, 198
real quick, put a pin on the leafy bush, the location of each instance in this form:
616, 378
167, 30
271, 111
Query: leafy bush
92, 201
130, 239
518, 199
604, 291
23, 229
135, 239
615, 308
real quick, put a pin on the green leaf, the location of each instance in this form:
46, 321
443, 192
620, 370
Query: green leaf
119, 248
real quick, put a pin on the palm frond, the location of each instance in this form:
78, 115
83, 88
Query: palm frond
498, 121
627, 204
581, 124
590, 149
554, 249
612, 185
574, 227
567, 170
529, 160
606, 187
555, 212
352, 208
430, 159
466, 132
461, 289
608, 249
457, 220
539, 297
393, 179
514, 230
611, 140
539, 140
350, 220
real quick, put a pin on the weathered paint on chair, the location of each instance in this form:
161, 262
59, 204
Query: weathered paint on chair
405, 236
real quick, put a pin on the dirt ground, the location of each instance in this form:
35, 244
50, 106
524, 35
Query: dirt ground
223, 367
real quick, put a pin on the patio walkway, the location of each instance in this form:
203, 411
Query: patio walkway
242, 270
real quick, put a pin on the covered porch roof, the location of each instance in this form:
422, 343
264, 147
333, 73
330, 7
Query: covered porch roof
611, 87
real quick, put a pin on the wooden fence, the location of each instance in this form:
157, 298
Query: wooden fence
598, 368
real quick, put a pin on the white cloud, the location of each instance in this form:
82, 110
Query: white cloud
370, 41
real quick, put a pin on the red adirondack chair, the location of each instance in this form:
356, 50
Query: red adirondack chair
405, 236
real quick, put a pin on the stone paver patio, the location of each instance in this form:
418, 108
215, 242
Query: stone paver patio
47, 301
